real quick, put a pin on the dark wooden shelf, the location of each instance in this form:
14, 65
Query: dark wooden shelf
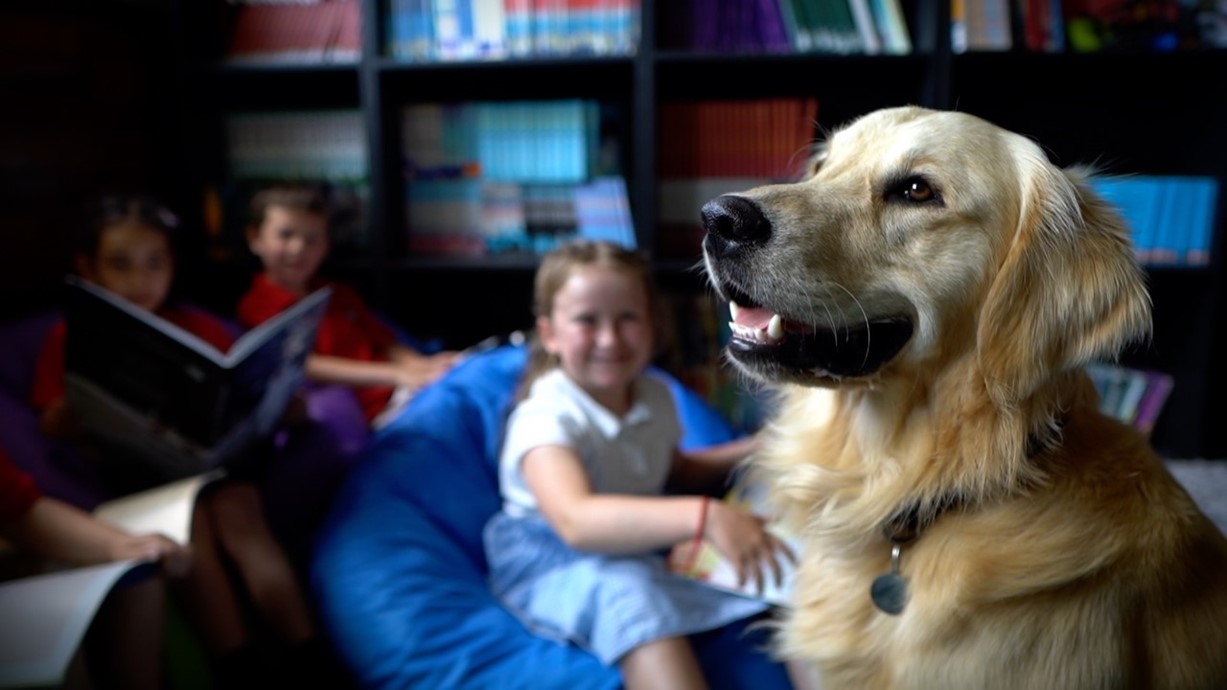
1151, 113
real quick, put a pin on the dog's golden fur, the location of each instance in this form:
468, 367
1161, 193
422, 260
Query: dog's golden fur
1073, 559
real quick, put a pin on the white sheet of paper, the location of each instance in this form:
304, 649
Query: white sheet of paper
165, 509
46, 616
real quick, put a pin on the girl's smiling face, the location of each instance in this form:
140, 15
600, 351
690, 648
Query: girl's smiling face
134, 261
600, 328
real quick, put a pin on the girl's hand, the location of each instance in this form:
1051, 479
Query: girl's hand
743, 538
175, 559
417, 371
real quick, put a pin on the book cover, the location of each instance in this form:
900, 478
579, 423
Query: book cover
709, 566
157, 393
46, 616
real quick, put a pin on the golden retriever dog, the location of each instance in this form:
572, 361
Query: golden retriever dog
923, 303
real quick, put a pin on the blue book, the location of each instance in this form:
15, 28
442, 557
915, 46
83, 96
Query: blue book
1202, 206
602, 211
1169, 237
1134, 198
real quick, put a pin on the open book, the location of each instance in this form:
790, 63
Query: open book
711, 567
46, 616
156, 392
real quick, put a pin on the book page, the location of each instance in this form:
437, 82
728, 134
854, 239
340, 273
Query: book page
46, 617
711, 567
165, 509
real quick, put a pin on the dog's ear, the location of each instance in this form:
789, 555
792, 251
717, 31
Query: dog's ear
1068, 291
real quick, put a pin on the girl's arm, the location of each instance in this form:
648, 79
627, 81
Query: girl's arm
404, 367
60, 531
419, 369
622, 524
351, 372
608, 523
707, 470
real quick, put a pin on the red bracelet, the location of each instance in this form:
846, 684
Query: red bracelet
696, 544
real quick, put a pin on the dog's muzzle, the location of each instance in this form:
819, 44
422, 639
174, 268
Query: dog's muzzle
805, 353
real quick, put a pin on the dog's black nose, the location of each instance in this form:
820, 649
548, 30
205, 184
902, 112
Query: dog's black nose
732, 220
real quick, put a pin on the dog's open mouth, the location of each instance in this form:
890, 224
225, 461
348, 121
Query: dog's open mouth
769, 342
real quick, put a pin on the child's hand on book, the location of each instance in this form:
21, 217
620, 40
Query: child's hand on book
743, 538
176, 560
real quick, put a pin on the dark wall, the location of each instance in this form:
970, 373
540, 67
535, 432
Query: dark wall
84, 110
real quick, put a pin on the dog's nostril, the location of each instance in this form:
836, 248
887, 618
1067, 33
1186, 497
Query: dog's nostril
736, 219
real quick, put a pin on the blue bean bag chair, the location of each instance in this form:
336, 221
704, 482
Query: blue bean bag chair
400, 574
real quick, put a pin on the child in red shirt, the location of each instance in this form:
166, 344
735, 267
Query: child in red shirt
128, 251
289, 233
117, 648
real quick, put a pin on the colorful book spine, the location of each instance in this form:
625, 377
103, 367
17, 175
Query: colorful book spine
1203, 205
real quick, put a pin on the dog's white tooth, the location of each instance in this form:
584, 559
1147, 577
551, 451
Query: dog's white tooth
775, 327
733, 309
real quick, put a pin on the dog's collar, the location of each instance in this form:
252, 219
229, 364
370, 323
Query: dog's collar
910, 520
889, 590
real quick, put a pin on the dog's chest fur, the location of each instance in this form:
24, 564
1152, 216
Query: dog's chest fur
1025, 590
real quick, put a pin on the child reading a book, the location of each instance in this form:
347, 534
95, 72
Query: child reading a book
127, 249
117, 647
589, 453
288, 232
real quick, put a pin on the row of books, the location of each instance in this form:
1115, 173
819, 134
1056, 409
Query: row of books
470, 216
306, 144
311, 31
509, 177
448, 30
736, 138
1172, 219
1132, 396
786, 26
514, 141
709, 148
1085, 25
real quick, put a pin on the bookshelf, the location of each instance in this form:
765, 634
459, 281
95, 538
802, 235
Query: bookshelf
1124, 111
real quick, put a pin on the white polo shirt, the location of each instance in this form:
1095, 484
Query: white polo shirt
628, 455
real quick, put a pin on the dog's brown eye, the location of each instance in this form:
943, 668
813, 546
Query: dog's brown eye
918, 190
912, 189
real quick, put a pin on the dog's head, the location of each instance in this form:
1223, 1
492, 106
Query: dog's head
922, 238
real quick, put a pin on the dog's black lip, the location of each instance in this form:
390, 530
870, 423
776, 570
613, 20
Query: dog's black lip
849, 351
846, 352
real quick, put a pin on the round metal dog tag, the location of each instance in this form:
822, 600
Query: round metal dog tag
889, 593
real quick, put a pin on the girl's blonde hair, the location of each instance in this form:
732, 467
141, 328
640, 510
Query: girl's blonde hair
556, 269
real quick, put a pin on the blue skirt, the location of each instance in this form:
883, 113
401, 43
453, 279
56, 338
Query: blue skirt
605, 604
